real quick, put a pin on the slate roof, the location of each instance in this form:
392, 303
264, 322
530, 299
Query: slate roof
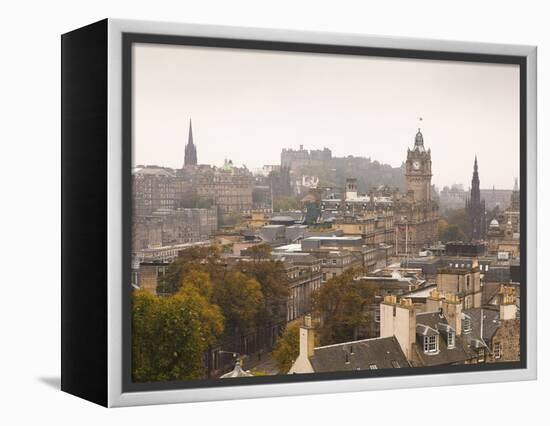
382, 352
477, 337
432, 321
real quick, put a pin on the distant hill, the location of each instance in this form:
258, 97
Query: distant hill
368, 173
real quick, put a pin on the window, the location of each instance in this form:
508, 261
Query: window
430, 344
377, 315
373, 366
497, 350
451, 340
481, 355
466, 324
395, 364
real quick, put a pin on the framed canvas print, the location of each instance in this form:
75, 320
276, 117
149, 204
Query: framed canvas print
251, 212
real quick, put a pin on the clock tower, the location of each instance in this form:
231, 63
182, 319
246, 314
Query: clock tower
418, 171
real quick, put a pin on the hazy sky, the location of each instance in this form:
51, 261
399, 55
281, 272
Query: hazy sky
248, 105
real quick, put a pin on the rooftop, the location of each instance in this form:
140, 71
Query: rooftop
376, 353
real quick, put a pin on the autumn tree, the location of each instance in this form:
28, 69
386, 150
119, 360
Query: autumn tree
273, 280
204, 258
259, 252
200, 281
342, 305
287, 348
240, 299
171, 334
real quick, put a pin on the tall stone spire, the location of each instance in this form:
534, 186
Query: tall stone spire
475, 193
190, 149
475, 209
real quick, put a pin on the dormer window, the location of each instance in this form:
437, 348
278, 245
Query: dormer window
450, 339
466, 324
430, 344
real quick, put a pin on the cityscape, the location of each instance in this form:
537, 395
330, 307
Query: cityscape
317, 263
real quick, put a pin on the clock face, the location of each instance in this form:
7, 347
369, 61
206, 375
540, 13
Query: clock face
416, 165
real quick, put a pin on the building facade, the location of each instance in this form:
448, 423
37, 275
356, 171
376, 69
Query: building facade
153, 188
229, 188
416, 214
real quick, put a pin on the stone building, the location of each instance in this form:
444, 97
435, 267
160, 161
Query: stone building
304, 276
475, 210
503, 235
464, 282
228, 187
448, 334
149, 275
166, 227
146, 232
152, 188
279, 182
416, 214
187, 225
375, 227
294, 159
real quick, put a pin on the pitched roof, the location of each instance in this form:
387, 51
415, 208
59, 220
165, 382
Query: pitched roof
436, 324
381, 352
482, 331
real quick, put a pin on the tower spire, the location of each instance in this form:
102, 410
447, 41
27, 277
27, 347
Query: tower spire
475, 208
190, 158
190, 137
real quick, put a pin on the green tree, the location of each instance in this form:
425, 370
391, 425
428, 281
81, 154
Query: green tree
282, 204
259, 252
342, 304
454, 226
171, 334
240, 299
287, 348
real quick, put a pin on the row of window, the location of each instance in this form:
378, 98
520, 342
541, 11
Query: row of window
468, 265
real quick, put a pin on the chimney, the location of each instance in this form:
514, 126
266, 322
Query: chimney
507, 301
307, 338
399, 319
452, 308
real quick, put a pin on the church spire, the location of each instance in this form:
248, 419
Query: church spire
190, 149
190, 137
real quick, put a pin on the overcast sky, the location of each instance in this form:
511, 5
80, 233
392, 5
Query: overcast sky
248, 105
